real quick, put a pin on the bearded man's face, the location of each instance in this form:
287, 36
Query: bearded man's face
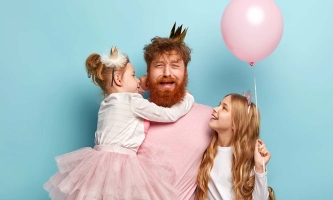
167, 79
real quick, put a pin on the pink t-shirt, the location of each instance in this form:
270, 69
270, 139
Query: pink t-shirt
183, 144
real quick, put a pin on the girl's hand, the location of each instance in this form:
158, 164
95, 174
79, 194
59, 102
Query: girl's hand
143, 82
261, 156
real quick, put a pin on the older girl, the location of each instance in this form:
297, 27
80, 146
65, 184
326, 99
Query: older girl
233, 166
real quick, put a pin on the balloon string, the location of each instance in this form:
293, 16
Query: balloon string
255, 94
263, 163
255, 91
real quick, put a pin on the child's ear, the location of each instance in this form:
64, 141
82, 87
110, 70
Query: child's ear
117, 79
233, 126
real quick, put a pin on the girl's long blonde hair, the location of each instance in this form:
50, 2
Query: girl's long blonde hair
245, 135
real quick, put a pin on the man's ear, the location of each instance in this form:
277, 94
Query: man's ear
117, 79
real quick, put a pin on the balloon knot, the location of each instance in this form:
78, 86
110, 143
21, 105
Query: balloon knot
251, 63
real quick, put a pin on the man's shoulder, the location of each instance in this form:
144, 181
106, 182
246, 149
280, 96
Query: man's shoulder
199, 111
201, 107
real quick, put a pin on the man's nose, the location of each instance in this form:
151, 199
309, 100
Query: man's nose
166, 71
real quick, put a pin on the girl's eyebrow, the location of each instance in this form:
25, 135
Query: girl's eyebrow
225, 105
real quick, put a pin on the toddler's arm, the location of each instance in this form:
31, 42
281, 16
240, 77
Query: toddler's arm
150, 111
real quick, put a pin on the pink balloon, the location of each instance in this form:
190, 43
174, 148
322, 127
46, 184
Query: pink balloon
252, 29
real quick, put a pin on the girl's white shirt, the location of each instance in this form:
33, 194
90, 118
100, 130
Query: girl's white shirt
220, 183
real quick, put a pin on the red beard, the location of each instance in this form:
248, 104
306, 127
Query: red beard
167, 98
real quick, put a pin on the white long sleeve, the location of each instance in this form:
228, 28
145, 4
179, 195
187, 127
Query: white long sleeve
260, 191
144, 109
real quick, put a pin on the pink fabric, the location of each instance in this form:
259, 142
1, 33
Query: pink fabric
109, 172
146, 125
116, 149
183, 144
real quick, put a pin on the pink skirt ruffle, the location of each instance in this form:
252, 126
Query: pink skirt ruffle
107, 174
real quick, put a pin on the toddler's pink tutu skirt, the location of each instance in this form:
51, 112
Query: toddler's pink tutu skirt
107, 173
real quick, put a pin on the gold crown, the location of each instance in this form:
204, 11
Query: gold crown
178, 34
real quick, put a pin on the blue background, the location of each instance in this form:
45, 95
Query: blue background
48, 106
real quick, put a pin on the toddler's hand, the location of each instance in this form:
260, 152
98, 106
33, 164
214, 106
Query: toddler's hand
143, 82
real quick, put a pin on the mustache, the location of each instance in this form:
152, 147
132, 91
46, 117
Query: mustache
166, 79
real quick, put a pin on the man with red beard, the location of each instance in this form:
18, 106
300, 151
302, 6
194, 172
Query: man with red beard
183, 142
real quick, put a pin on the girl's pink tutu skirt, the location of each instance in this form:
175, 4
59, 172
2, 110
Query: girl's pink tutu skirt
107, 173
